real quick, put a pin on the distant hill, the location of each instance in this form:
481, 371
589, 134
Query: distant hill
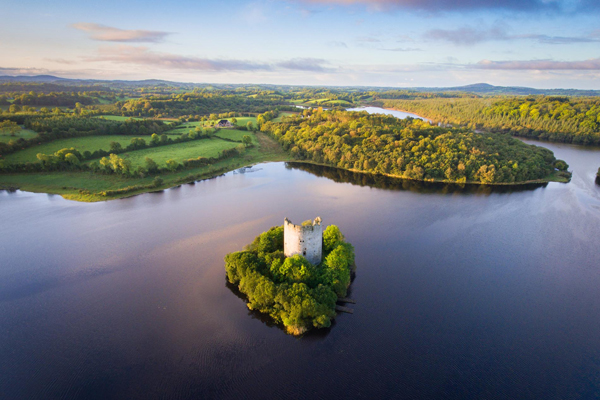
487, 89
477, 88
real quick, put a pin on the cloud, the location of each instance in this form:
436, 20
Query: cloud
337, 44
457, 5
403, 49
557, 39
141, 55
367, 39
61, 61
23, 71
468, 36
541, 65
109, 34
305, 64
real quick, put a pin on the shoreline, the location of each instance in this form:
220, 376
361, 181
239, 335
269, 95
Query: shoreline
76, 196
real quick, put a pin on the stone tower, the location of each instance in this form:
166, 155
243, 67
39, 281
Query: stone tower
306, 240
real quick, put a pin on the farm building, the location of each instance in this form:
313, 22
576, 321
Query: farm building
224, 124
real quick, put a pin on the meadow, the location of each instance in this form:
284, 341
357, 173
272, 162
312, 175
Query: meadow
179, 151
233, 134
89, 143
23, 133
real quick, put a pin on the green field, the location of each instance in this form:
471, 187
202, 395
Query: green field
233, 134
179, 151
186, 127
24, 133
90, 143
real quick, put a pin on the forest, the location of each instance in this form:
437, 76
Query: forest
292, 291
411, 148
561, 119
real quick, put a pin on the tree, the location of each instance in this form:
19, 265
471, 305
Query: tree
250, 126
151, 165
157, 181
14, 108
234, 121
173, 165
10, 126
115, 146
72, 159
246, 140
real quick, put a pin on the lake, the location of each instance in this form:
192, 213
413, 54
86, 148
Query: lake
461, 293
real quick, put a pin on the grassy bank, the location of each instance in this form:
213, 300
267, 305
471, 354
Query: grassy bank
87, 187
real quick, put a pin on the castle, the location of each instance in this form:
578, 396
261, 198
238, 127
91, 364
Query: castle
306, 240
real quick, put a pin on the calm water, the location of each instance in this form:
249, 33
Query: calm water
461, 293
395, 113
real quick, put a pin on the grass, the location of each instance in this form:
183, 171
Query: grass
90, 143
23, 133
232, 134
179, 151
68, 184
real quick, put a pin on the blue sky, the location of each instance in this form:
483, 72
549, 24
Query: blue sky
403, 43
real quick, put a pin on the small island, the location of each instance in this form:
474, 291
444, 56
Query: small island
294, 273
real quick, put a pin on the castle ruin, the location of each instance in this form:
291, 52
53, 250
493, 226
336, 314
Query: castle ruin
306, 240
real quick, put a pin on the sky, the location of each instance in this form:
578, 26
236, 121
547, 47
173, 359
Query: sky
394, 43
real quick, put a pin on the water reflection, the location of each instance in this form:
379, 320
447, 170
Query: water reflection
389, 183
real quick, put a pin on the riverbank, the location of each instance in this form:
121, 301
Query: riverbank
93, 187
554, 177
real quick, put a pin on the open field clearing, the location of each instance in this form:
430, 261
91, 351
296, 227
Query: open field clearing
23, 133
89, 143
179, 151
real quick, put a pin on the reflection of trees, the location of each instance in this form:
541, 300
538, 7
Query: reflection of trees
268, 321
389, 183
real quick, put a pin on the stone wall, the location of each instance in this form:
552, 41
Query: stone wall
304, 240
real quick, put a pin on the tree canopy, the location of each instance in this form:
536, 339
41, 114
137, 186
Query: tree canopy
410, 148
291, 290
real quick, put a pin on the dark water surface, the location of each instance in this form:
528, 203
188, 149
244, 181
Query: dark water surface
461, 294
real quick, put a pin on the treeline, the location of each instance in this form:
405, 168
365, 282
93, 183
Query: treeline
410, 148
60, 99
560, 119
204, 103
68, 126
291, 290
413, 95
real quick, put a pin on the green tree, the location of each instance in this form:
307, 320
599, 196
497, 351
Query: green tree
157, 181
151, 165
115, 146
246, 140
10, 127
173, 165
